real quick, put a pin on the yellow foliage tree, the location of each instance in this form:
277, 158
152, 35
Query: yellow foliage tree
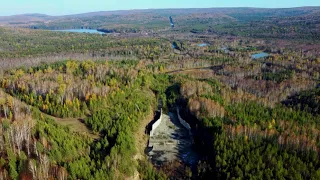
60, 79
71, 66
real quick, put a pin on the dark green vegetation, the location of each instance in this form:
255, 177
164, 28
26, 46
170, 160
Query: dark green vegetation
277, 76
251, 119
246, 139
306, 100
114, 101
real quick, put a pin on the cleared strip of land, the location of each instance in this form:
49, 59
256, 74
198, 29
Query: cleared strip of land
171, 141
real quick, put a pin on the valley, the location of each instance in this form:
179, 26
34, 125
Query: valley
213, 93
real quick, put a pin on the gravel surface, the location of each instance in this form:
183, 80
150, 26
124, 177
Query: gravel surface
171, 141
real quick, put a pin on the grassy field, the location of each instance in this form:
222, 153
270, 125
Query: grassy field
76, 125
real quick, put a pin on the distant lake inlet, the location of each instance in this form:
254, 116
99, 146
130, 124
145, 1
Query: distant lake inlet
90, 31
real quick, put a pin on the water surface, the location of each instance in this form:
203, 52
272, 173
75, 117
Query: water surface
202, 45
90, 31
259, 55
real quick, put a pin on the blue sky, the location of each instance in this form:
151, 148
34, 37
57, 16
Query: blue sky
63, 7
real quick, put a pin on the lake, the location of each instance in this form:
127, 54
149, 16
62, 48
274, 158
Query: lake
202, 45
259, 55
91, 31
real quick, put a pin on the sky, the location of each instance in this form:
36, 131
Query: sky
65, 7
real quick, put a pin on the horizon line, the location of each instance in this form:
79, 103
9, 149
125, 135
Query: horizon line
142, 9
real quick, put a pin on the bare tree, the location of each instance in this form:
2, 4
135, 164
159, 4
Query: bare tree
33, 169
44, 166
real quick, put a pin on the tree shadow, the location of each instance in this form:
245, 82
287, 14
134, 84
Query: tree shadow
149, 126
186, 152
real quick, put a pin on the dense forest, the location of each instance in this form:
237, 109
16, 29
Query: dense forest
113, 99
246, 139
77, 105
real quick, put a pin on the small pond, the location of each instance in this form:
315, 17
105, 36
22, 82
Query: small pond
259, 55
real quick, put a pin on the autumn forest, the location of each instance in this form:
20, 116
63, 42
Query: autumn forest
78, 105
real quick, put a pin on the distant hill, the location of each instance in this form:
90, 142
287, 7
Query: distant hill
240, 13
300, 22
25, 18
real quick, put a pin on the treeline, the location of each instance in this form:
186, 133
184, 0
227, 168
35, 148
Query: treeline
297, 28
